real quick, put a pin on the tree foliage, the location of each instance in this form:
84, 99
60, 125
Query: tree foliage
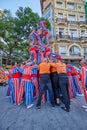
15, 30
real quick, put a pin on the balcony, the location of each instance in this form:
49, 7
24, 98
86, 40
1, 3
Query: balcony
73, 38
60, 20
85, 53
63, 20
72, 22
83, 22
68, 37
75, 54
83, 38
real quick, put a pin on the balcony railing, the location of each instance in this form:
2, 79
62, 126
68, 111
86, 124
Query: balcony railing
70, 21
61, 20
73, 38
70, 38
83, 38
85, 53
75, 54
83, 22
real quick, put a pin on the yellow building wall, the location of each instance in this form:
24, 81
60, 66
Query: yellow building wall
78, 12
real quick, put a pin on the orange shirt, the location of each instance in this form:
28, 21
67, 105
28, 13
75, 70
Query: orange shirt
53, 68
61, 67
44, 68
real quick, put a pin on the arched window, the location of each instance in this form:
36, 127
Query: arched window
74, 50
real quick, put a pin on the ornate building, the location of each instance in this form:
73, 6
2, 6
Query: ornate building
68, 27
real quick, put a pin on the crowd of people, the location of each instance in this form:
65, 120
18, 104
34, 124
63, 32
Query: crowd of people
45, 81
3, 76
44, 76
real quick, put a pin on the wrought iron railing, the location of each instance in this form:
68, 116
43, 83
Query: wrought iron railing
70, 37
70, 21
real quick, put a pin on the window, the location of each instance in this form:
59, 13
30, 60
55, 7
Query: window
61, 32
84, 50
73, 33
70, 6
79, 8
60, 15
59, 4
62, 50
71, 17
48, 15
74, 50
82, 32
81, 18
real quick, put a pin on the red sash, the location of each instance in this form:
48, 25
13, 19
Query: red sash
16, 75
26, 76
34, 75
32, 49
68, 74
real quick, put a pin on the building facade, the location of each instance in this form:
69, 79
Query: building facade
68, 27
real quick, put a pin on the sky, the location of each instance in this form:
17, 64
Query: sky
13, 5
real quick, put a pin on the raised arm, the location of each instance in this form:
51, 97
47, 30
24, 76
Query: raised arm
21, 70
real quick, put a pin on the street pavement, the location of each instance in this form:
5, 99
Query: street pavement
14, 117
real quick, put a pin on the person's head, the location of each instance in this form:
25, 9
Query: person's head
34, 62
82, 62
54, 60
23, 63
59, 58
45, 60
19, 64
16, 63
13, 63
63, 61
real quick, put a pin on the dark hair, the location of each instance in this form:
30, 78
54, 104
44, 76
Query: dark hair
13, 63
19, 64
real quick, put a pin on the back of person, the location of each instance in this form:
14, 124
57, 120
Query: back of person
45, 82
61, 67
53, 68
44, 68
63, 83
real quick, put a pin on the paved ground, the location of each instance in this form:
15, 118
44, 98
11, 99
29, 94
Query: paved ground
19, 118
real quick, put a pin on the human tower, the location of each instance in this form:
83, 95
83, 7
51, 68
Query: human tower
24, 80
